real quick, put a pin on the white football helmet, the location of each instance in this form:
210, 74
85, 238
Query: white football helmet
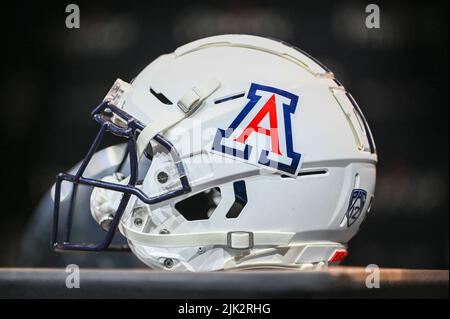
242, 152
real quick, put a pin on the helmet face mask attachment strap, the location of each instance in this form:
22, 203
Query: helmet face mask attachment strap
103, 115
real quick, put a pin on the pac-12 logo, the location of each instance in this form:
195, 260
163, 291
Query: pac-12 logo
262, 131
355, 206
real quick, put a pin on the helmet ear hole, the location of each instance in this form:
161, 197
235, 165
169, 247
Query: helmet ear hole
201, 205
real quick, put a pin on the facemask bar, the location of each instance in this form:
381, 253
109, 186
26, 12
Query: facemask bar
129, 130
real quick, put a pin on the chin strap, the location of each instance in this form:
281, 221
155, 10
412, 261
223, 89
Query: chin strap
234, 239
188, 103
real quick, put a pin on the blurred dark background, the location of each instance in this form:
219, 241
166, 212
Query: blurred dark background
52, 77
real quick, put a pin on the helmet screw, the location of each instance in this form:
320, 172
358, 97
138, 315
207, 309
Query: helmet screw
168, 263
162, 177
138, 222
201, 250
164, 231
106, 221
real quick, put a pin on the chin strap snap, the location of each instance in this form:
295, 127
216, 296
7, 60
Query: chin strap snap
188, 103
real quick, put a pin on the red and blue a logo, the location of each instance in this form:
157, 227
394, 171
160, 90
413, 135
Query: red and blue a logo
262, 131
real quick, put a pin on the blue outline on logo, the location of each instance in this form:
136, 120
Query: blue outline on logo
288, 109
353, 212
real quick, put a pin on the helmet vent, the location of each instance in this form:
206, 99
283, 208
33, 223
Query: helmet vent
161, 97
315, 172
240, 199
229, 98
199, 206
308, 173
